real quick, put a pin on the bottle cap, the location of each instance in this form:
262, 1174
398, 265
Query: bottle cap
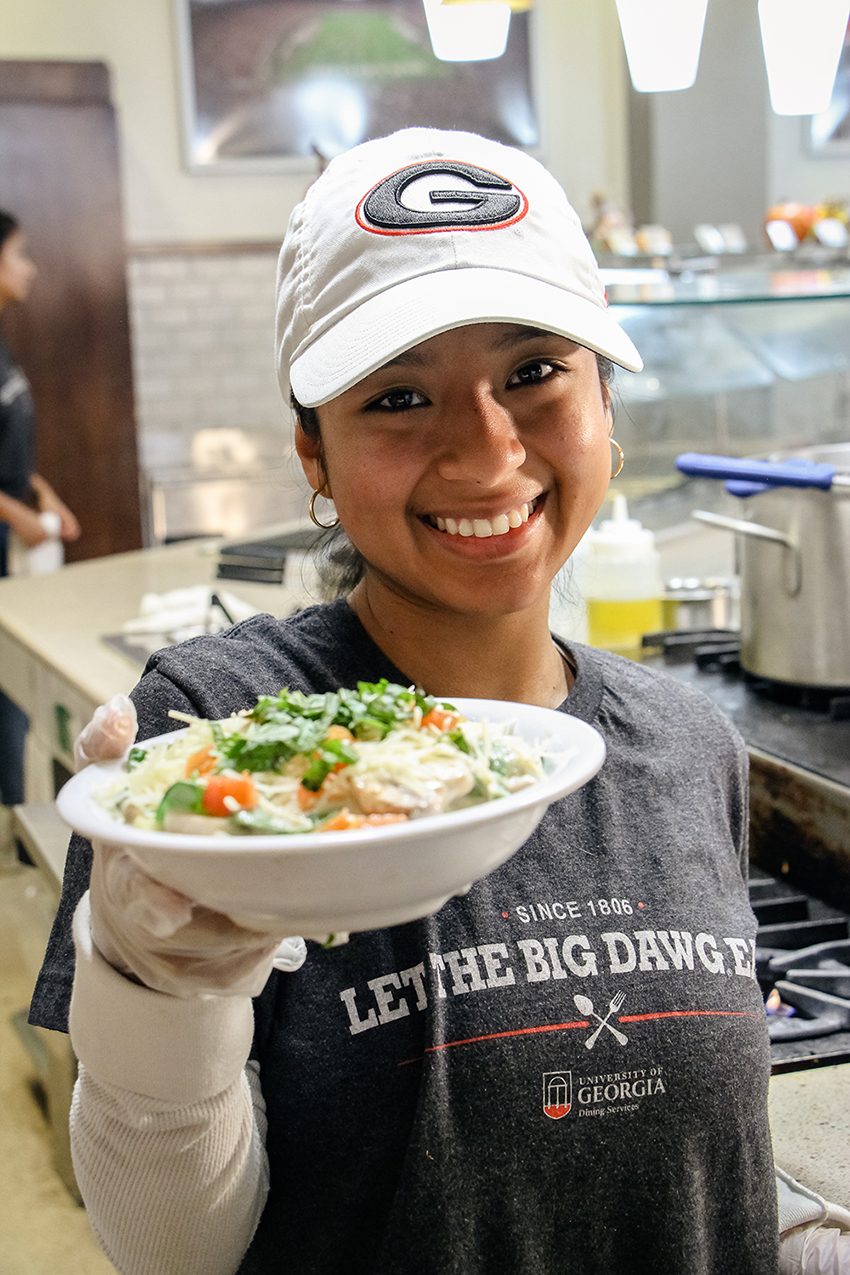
621, 538
51, 522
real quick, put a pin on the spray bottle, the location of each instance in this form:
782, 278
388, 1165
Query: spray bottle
622, 583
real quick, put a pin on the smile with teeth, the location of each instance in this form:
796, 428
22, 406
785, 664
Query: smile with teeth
481, 528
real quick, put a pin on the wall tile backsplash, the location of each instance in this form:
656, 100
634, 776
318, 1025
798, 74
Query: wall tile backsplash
208, 406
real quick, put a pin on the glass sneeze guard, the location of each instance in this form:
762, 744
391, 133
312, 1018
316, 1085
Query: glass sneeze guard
739, 362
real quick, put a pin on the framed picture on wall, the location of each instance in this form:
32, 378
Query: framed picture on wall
829, 131
274, 84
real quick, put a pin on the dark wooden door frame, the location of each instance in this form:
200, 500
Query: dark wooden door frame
60, 175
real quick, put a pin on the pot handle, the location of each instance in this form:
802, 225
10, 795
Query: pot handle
755, 530
744, 528
796, 472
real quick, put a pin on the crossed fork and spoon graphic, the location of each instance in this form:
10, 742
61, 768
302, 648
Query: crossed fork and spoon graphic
585, 1006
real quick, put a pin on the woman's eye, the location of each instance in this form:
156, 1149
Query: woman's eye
532, 373
397, 401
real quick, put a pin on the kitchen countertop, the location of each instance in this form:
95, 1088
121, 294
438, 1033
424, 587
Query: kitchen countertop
810, 1122
62, 617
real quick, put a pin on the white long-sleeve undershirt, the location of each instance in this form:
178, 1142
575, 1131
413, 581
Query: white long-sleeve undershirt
167, 1122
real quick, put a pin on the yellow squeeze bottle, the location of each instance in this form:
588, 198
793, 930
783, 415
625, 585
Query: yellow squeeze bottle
622, 584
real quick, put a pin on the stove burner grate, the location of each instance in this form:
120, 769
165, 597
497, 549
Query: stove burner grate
718, 650
803, 957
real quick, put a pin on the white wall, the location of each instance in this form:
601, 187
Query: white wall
717, 152
794, 173
202, 327
709, 144
582, 109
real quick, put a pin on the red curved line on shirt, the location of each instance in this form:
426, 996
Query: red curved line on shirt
520, 1031
685, 1013
557, 1027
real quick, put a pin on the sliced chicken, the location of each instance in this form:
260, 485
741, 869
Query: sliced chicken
378, 793
194, 825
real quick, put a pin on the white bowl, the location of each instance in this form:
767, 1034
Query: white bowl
316, 884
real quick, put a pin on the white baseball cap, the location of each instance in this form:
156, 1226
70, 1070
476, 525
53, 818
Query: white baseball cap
423, 231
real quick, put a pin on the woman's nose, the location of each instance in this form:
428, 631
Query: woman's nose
480, 443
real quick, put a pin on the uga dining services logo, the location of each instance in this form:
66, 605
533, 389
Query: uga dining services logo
557, 1094
602, 1094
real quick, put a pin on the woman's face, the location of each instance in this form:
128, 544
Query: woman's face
467, 469
17, 270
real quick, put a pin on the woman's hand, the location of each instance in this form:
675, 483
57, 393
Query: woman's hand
109, 734
153, 934
159, 937
48, 501
814, 1250
24, 521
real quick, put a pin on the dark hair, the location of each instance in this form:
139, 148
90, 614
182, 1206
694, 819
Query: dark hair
8, 226
340, 564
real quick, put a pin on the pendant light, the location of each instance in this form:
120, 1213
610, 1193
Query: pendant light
516, 6
662, 39
468, 32
801, 49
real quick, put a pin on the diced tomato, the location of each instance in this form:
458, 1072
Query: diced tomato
441, 720
201, 762
239, 787
343, 821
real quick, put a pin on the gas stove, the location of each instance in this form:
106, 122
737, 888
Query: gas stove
803, 969
798, 739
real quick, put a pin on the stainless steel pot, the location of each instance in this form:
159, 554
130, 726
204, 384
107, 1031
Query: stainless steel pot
793, 552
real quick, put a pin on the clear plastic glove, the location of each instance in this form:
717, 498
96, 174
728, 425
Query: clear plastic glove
158, 936
109, 734
164, 940
815, 1250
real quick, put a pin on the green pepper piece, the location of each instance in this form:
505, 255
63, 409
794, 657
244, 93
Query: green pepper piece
184, 796
260, 823
135, 757
459, 740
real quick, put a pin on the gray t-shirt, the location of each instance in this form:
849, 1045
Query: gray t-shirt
562, 1073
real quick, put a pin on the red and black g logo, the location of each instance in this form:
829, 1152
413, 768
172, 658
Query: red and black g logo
440, 194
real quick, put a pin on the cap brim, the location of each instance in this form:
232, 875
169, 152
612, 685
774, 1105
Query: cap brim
403, 316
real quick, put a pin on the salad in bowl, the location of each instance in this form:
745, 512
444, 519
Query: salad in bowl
295, 763
321, 814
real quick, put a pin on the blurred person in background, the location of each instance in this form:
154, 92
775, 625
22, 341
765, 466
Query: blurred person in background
24, 495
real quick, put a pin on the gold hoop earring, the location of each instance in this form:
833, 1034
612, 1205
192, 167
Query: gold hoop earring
614, 443
311, 509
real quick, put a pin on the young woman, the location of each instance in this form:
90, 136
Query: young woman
24, 495
429, 1098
